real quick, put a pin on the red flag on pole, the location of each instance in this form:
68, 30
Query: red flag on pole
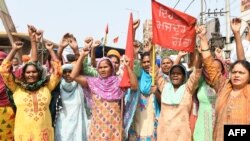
129, 52
105, 40
172, 29
107, 29
116, 39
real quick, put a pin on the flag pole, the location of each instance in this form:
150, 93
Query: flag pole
104, 44
105, 40
153, 65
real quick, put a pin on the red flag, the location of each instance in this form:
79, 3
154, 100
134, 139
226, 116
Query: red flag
172, 29
107, 29
129, 52
116, 39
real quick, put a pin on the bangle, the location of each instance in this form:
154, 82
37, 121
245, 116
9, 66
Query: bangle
208, 49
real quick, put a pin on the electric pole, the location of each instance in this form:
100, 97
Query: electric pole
217, 40
202, 13
227, 24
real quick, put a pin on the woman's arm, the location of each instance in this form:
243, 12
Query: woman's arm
5, 72
160, 82
49, 47
137, 65
204, 48
64, 43
75, 74
136, 24
215, 78
88, 70
93, 48
235, 26
56, 64
16, 46
39, 41
132, 77
193, 80
73, 44
179, 56
32, 34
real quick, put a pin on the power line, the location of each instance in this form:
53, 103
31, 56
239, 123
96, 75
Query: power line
233, 5
176, 4
189, 5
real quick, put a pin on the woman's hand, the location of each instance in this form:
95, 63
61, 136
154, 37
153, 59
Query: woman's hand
126, 61
17, 45
136, 47
84, 51
201, 31
218, 53
32, 33
147, 46
88, 42
39, 34
49, 45
72, 42
97, 43
182, 53
64, 42
236, 25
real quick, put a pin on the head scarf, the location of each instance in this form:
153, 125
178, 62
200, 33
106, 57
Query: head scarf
183, 69
3, 97
168, 57
3, 55
224, 69
35, 86
67, 67
25, 58
107, 88
114, 52
145, 82
67, 88
169, 95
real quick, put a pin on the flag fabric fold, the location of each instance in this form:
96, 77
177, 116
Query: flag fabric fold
172, 29
129, 52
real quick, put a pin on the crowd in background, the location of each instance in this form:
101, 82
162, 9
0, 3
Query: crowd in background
73, 100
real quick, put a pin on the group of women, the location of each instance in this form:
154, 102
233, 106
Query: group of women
48, 107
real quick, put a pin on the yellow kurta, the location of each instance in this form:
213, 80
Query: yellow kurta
7, 118
33, 118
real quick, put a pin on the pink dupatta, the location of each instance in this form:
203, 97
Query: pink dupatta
107, 88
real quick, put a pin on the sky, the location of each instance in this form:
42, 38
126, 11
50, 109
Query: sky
85, 18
